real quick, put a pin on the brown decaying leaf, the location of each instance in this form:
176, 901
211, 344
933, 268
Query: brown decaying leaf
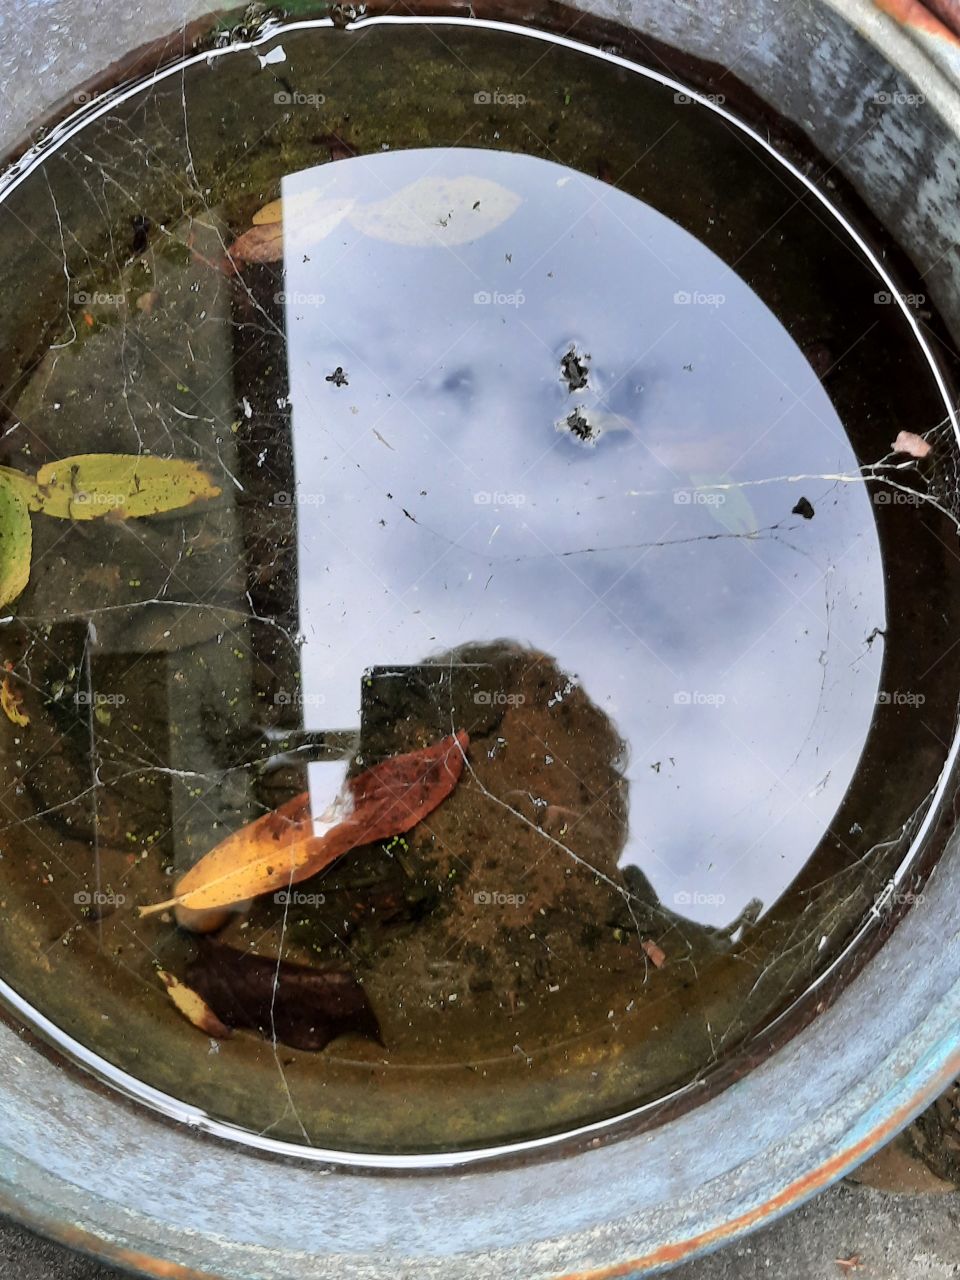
909, 442
656, 955
299, 1006
279, 849
11, 700
147, 302
193, 1006
262, 243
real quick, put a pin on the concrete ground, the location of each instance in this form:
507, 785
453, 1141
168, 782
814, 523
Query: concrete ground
876, 1234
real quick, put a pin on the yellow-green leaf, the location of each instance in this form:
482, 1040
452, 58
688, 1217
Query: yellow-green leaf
90, 485
16, 539
24, 484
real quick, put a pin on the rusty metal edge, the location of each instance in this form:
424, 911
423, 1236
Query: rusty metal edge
791, 1197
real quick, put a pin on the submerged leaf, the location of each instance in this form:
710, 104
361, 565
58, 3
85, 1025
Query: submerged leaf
90, 485
438, 211
24, 485
193, 1006
16, 539
280, 849
430, 211
11, 700
296, 222
259, 244
292, 1003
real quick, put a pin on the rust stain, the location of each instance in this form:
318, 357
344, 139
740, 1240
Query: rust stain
790, 1195
88, 1242
938, 18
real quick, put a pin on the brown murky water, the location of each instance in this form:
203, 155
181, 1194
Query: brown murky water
561, 417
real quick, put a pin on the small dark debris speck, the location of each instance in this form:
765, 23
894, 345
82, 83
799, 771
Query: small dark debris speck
338, 377
580, 425
573, 367
804, 508
141, 228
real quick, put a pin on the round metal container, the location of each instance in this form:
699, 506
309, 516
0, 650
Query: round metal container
170, 1194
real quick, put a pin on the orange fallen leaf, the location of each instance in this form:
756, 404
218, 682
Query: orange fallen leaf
193, 1007
909, 442
11, 700
656, 955
280, 849
262, 243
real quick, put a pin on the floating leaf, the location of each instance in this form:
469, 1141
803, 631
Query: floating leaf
11, 700
438, 211
193, 1006
909, 442
299, 1006
16, 538
91, 485
243, 858
656, 955
279, 849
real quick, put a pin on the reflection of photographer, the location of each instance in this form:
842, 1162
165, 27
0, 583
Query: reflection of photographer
528, 848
